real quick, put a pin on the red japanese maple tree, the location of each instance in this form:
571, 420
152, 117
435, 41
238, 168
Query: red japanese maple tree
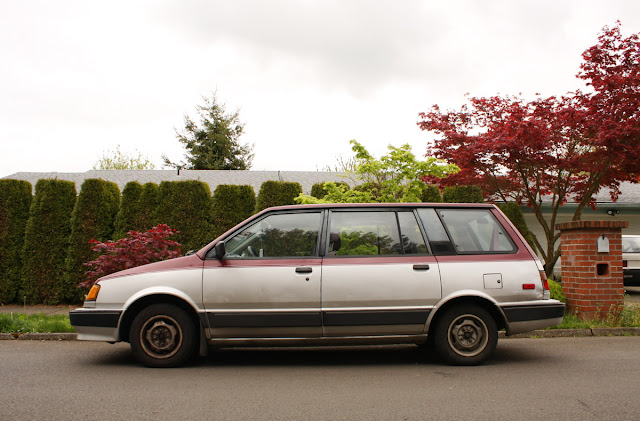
136, 249
550, 150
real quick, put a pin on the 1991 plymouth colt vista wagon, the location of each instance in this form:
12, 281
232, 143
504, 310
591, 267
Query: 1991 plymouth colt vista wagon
450, 275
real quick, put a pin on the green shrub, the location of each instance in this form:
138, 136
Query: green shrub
515, 215
15, 199
46, 241
431, 194
462, 194
555, 290
92, 219
128, 217
186, 207
277, 193
231, 205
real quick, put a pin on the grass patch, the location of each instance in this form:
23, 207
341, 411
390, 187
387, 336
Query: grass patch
35, 323
628, 317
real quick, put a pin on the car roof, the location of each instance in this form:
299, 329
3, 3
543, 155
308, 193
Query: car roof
381, 205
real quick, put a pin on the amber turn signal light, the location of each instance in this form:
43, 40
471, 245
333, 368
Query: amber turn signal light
93, 293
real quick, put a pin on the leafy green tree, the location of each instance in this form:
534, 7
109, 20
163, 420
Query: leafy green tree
214, 143
92, 219
118, 160
15, 199
395, 177
46, 240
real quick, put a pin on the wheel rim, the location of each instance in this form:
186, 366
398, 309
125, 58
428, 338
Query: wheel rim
161, 337
468, 335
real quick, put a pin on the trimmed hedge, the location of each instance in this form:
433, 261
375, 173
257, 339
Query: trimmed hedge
514, 213
130, 211
92, 219
46, 240
431, 194
186, 206
15, 199
277, 193
462, 194
231, 205
148, 217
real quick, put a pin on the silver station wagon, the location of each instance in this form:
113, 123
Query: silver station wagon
445, 275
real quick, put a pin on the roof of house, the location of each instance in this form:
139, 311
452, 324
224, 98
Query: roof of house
630, 192
212, 177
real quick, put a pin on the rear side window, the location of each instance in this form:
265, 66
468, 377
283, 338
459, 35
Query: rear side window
474, 231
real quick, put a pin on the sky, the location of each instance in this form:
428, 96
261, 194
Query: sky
79, 79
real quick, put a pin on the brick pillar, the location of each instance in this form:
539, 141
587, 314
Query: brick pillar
591, 280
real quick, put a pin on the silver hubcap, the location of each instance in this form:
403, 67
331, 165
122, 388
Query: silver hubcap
161, 337
468, 335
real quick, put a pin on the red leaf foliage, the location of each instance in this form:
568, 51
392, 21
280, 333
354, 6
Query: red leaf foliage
558, 148
137, 249
551, 149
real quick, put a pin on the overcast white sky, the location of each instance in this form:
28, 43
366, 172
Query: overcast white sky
78, 78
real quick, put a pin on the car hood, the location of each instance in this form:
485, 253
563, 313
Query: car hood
185, 262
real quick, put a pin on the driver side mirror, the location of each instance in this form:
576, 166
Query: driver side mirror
221, 249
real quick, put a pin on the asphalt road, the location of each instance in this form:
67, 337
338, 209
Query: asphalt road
595, 378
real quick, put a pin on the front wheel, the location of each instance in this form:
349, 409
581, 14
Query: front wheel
163, 335
465, 335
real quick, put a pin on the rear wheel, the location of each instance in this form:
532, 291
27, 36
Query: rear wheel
163, 335
465, 335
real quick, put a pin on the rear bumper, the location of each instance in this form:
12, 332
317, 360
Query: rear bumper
96, 325
530, 316
631, 277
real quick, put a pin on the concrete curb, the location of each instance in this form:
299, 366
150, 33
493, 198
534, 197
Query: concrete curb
572, 333
551, 333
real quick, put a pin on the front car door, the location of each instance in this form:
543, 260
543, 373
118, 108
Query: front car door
378, 275
268, 283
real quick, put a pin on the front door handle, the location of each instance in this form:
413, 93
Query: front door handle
420, 267
304, 270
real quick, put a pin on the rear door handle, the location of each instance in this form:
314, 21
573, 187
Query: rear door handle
420, 267
304, 270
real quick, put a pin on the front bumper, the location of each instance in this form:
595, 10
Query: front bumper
525, 317
96, 325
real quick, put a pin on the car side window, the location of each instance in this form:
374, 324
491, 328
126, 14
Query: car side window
438, 239
412, 240
277, 235
364, 234
475, 231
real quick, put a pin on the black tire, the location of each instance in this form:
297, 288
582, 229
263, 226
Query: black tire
163, 335
465, 335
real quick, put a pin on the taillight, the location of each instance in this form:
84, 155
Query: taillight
545, 281
624, 263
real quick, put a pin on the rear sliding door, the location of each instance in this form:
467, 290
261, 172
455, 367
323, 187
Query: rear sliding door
378, 277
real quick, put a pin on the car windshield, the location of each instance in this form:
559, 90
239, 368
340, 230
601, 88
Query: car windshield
631, 244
